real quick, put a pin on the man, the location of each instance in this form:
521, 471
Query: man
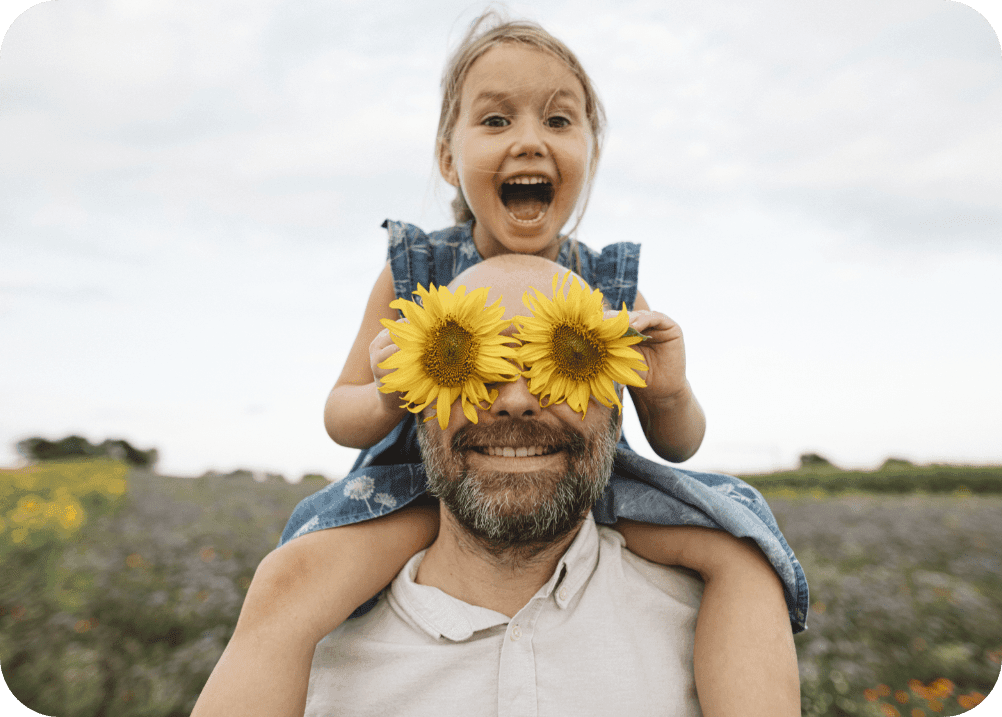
521, 605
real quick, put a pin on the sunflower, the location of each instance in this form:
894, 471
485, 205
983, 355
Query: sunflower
572, 351
450, 346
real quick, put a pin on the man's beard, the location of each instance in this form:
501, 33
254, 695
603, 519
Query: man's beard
517, 515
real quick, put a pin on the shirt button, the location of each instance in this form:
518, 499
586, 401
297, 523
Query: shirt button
562, 594
516, 632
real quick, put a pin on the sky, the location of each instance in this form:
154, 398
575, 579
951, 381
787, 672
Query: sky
191, 194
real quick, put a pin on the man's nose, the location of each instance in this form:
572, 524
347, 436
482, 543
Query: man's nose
514, 401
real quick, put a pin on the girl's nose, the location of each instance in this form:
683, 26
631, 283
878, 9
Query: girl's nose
528, 140
514, 401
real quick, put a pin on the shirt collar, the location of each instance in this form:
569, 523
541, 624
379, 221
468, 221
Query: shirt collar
441, 615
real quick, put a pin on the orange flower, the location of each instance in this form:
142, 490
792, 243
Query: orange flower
918, 688
969, 702
901, 696
883, 690
890, 710
935, 705
918, 713
870, 694
941, 687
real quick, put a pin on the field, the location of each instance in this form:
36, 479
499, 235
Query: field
121, 587
906, 601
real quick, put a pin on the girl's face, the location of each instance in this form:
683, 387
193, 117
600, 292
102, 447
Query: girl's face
520, 150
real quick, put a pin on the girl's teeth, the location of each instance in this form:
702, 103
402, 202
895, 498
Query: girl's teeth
527, 180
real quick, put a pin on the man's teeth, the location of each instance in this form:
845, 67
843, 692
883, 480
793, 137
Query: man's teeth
520, 452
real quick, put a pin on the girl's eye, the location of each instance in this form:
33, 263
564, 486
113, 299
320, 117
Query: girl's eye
557, 122
495, 121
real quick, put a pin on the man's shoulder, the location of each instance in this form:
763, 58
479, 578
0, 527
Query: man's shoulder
678, 583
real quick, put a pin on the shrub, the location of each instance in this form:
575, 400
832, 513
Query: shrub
41, 449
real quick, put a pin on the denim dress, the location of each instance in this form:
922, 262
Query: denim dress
390, 474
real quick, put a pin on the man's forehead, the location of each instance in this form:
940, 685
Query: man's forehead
509, 277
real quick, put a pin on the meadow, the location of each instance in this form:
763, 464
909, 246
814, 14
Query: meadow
121, 587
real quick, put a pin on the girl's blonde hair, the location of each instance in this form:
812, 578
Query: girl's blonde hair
485, 32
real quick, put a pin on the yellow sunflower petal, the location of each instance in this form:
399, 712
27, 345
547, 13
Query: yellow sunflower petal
470, 412
443, 404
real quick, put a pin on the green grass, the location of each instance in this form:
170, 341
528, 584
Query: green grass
893, 477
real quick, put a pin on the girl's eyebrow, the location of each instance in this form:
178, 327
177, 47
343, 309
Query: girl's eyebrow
564, 93
501, 96
491, 96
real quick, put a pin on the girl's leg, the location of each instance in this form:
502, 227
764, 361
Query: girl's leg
745, 661
300, 592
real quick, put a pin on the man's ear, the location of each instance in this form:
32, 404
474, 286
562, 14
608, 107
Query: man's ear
447, 164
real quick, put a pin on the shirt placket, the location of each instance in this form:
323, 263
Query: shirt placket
517, 673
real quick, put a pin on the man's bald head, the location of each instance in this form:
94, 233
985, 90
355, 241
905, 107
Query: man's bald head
510, 276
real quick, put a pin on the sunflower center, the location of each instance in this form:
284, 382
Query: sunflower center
576, 353
450, 356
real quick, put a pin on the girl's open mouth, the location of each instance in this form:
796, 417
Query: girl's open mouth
527, 198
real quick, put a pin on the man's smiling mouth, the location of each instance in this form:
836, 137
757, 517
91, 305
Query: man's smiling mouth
513, 438
516, 452
527, 197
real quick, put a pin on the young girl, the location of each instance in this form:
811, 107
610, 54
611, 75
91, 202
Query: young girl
519, 137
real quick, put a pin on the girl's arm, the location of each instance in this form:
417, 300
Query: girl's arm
300, 592
672, 419
745, 661
357, 415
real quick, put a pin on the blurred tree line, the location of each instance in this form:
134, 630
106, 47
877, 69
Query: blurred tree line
41, 449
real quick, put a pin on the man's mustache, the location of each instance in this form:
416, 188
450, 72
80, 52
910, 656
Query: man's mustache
516, 432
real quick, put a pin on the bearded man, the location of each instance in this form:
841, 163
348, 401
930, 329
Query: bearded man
522, 605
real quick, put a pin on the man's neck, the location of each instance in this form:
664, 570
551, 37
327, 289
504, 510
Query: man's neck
460, 566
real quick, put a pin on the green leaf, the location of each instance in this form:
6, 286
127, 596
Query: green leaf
633, 332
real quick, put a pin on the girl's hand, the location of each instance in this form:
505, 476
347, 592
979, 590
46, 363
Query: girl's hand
381, 348
663, 352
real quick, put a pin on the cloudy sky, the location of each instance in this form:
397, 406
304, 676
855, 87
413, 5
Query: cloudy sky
191, 193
